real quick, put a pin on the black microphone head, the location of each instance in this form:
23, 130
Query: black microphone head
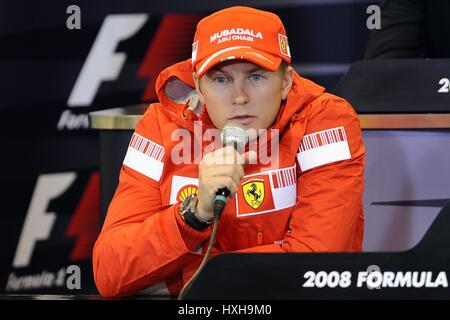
234, 134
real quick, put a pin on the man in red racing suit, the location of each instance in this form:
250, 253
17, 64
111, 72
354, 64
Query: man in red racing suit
307, 198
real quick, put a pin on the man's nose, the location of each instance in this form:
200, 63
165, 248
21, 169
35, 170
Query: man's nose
240, 95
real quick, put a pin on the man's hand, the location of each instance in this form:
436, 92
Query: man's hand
222, 168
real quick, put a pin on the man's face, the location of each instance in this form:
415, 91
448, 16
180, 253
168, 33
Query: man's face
242, 92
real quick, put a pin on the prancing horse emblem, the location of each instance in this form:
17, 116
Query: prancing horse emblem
254, 193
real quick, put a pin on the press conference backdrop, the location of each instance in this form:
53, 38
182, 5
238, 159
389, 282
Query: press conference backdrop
52, 76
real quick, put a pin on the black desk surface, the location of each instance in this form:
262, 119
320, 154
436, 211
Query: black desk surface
284, 275
76, 297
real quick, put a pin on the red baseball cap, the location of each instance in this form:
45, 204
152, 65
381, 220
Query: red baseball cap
240, 33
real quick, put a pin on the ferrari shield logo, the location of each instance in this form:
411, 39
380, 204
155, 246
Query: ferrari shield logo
284, 46
254, 193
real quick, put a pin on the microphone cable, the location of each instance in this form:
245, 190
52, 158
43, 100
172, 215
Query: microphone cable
212, 239
236, 135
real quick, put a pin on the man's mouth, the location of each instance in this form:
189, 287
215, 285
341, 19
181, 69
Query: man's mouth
244, 119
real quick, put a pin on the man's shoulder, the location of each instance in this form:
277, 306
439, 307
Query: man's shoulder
151, 113
328, 103
153, 118
149, 125
315, 99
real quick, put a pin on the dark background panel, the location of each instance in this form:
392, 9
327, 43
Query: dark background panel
40, 61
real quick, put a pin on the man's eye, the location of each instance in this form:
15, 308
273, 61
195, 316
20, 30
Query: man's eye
255, 77
220, 79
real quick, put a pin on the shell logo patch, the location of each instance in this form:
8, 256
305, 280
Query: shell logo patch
253, 192
188, 190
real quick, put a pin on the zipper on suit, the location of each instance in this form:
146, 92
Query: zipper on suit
259, 238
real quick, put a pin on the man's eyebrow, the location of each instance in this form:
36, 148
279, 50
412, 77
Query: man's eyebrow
216, 69
255, 68
213, 70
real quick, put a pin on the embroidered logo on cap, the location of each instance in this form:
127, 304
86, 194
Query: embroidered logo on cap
194, 51
235, 34
284, 45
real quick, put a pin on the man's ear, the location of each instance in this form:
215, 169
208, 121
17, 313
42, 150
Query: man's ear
288, 80
197, 88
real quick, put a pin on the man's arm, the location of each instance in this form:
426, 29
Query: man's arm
142, 240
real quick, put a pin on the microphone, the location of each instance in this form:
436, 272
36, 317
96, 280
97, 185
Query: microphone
236, 135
